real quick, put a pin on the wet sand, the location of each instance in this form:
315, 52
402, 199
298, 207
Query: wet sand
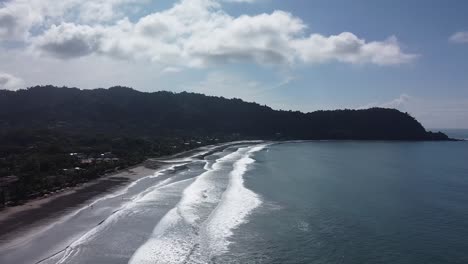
18, 219
34, 212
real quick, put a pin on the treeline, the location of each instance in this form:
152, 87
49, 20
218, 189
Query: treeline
54, 137
40, 162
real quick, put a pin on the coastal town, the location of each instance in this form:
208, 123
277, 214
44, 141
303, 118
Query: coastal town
66, 170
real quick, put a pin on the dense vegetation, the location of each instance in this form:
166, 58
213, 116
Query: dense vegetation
54, 137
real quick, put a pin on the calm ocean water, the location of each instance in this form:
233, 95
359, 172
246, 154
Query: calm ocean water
309, 202
358, 202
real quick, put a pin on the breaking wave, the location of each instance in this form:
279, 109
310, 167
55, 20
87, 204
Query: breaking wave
197, 229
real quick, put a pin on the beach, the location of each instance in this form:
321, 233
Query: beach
39, 211
34, 213
72, 213
262, 202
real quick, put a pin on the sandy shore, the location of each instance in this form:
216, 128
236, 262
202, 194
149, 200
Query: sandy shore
26, 216
34, 213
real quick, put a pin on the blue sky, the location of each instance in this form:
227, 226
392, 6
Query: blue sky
299, 54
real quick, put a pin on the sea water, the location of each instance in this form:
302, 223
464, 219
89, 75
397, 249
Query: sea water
357, 202
291, 202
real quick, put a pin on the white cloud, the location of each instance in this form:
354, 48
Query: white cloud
16, 20
69, 40
10, 82
459, 37
192, 33
347, 47
397, 103
19, 17
264, 39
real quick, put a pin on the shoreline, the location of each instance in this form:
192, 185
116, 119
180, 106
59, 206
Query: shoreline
36, 212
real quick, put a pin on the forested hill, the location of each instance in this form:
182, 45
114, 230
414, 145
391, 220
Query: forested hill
121, 111
52, 138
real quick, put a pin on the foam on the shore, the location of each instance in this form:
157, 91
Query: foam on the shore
150, 194
198, 227
237, 203
30, 235
176, 235
137, 202
129, 199
204, 190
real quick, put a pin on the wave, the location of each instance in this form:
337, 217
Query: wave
198, 227
36, 232
134, 203
126, 200
74, 246
175, 236
237, 203
206, 190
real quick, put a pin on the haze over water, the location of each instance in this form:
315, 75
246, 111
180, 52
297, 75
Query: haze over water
304, 202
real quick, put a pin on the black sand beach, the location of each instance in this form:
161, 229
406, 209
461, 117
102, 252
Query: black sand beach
18, 219
22, 217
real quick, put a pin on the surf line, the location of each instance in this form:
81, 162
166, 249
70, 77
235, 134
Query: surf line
68, 248
237, 203
164, 233
184, 216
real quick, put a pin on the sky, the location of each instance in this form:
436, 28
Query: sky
302, 55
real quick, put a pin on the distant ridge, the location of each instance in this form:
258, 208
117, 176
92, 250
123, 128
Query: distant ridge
52, 138
121, 111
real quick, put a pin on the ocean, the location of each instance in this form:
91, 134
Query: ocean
357, 202
455, 133
292, 202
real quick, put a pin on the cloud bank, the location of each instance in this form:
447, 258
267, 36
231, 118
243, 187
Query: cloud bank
191, 33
